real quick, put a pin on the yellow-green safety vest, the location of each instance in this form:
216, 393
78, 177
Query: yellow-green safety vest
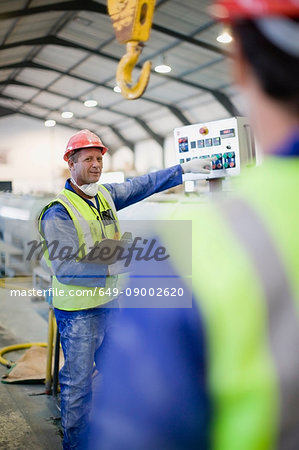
245, 262
90, 230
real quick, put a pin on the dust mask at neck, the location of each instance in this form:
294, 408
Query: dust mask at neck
89, 189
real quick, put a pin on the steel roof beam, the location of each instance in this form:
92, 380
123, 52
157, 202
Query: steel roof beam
89, 5
189, 39
9, 111
158, 138
53, 40
21, 83
77, 5
4, 111
126, 141
32, 65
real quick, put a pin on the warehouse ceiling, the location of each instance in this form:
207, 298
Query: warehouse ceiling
54, 55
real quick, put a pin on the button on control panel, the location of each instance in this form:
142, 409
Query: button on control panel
229, 160
183, 145
218, 163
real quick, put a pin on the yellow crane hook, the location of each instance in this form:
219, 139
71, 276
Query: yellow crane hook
132, 21
125, 69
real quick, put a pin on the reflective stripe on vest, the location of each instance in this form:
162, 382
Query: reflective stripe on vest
84, 224
283, 327
107, 196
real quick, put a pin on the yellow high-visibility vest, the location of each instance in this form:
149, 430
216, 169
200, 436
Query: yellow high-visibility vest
90, 230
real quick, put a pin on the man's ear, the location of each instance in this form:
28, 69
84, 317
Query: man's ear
70, 163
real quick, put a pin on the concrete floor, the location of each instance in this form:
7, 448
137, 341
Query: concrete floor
29, 419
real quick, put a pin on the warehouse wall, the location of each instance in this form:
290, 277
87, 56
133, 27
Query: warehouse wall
31, 156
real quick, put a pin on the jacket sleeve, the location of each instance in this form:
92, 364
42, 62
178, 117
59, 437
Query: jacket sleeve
139, 188
61, 235
154, 393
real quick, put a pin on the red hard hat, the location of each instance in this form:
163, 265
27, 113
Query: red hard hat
83, 139
229, 10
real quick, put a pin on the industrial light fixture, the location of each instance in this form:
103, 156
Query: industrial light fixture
90, 103
117, 89
224, 38
163, 67
50, 123
67, 114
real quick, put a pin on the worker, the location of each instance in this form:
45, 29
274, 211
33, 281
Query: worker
83, 214
224, 373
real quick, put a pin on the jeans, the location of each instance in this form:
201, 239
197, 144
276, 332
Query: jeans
84, 335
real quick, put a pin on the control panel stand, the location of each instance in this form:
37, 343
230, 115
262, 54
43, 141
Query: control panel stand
215, 185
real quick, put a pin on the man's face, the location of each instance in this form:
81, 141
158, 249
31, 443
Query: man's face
88, 167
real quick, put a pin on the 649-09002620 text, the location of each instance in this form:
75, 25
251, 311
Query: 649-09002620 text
113, 292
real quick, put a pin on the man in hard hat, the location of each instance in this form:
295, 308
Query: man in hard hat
82, 215
225, 374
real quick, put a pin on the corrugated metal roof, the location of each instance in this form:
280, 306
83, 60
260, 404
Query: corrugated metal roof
39, 78
67, 85
12, 5
59, 57
51, 100
19, 92
132, 130
33, 27
103, 117
140, 106
73, 55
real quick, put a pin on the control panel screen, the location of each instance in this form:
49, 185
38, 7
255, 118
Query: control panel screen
228, 133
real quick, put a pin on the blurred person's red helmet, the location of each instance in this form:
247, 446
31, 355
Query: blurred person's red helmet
83, 139
230, 10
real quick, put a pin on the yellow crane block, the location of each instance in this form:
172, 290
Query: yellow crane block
132, 21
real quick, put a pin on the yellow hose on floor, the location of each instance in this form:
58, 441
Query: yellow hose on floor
11, 348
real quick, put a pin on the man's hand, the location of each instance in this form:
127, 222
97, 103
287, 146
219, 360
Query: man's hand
198, 165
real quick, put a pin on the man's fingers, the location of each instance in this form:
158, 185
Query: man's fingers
206, 169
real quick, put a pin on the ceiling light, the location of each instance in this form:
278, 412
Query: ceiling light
163, 68
90, 103
67, 114
50, 123
117, 89
224, 38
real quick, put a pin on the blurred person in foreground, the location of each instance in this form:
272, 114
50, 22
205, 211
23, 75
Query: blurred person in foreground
224, 374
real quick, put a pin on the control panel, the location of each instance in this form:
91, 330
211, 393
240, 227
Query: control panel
230, 141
